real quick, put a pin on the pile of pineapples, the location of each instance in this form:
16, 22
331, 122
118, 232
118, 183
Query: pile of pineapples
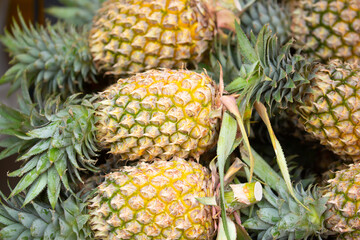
185, 119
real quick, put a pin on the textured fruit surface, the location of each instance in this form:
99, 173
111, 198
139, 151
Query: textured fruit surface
129, 36
343, 215
349, 236
153, 201
332, 110
328, 29
159, 113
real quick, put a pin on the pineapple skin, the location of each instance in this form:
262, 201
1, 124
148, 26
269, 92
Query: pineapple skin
331, 109
154, 201
159, 113
130, 36
328, 29
343, 214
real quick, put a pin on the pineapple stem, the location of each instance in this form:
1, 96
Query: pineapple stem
243, 195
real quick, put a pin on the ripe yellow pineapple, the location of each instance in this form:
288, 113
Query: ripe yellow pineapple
160, 201
159, 113
154, 201
328, 29
130, 36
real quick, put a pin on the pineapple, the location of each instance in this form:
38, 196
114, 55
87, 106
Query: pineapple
330, 109
328, 29
154, 201
159, 114
159, 201
129, 36
323, 95
343, 214
333, 210
156, 114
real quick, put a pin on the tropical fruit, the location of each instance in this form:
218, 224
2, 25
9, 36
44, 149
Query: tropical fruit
159, 113
161, 200
334, 210
156, 114
344, 200
154, 201
323, 95
328, 29
331, 111
130, 36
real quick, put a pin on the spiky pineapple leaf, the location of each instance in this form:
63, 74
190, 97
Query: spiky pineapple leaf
78, 12
280, 216
37, 220
224, 146
265, 71
50, 161
232, 230
52, 59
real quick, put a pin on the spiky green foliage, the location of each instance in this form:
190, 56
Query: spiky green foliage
52, 58
227, 57
278, 215
54, 149
266, 72
68, 220
263, 12
77, 12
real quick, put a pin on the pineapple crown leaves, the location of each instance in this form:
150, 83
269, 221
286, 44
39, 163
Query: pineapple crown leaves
279, 215
16, 123
68, 220
229, 59
269, 73
54, 59
77, 12
55, 151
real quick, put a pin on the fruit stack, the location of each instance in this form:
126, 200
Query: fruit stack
159, 120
